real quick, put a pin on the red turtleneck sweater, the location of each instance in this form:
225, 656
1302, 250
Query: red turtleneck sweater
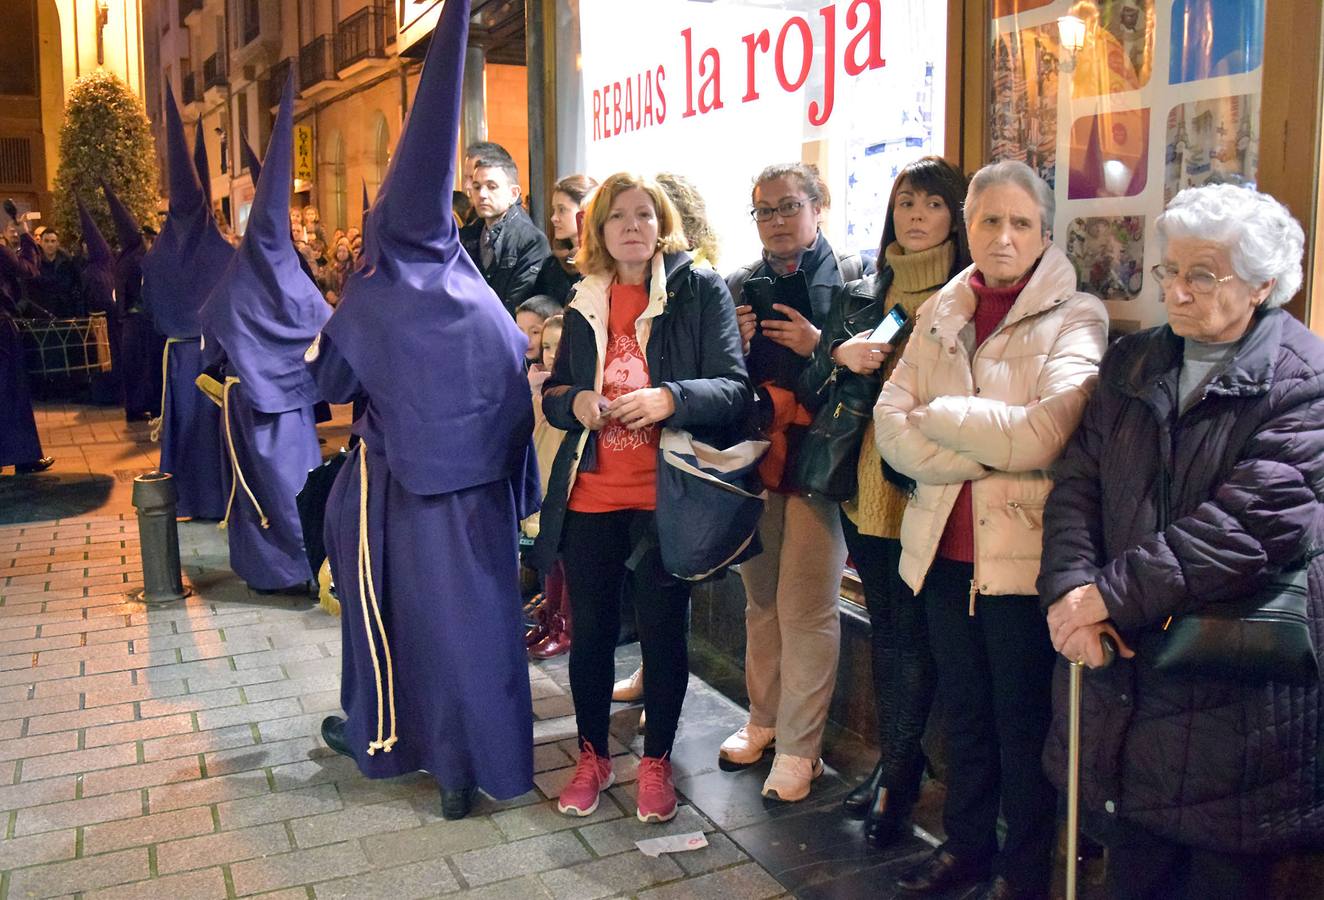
991, 307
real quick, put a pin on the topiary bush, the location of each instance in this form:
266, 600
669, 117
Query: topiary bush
106, 134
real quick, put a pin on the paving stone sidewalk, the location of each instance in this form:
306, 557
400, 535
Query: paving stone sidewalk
173, 752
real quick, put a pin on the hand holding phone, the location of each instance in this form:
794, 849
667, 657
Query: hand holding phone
861, 354
895, 325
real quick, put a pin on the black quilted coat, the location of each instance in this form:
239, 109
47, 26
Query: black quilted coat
1207, 764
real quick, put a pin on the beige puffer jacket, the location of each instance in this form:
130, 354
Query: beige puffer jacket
998, 420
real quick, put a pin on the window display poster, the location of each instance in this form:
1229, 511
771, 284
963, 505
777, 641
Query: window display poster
716, 91
1161, 95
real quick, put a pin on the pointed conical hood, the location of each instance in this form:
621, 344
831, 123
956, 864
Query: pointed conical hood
189, 255
265, 311
128, 263
99, 272
200, 163
413, 207
441, 360
98, 251
251, 161
367, 204
185, 189
127, 230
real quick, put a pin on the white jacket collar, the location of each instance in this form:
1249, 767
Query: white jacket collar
1053, 282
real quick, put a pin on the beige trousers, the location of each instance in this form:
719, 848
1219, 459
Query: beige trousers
792, 629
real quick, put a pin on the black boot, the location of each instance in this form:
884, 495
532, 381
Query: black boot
885, 821
333, 732
857, 802
456, 804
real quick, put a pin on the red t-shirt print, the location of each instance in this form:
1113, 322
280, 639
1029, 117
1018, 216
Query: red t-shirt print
626, 474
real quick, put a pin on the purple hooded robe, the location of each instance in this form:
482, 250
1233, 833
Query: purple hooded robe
179, 272
141, 345
19, 442
257, 323
441, 681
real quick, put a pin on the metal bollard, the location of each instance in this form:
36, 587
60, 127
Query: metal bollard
154, 497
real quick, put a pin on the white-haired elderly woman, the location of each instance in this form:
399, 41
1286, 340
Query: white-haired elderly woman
990, 387
1195, 784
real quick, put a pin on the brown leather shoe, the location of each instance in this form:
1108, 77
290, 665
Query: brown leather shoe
941, 871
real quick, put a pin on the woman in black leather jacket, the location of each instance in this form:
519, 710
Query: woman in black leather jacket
923, 246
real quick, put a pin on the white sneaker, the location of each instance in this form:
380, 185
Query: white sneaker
629, 690
790, 777
746, 746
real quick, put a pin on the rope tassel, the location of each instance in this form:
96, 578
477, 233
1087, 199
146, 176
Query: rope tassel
157, 423
368, 594
236, 473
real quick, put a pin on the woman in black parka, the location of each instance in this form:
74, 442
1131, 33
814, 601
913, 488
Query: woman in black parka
1197, 786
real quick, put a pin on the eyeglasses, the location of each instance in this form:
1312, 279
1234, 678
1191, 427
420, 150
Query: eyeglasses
1197, 281
788, 210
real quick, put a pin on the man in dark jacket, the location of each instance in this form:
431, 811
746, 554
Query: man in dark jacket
504, 243
1196, 784
57, 285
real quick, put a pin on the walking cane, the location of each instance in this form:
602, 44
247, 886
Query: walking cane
1073, 761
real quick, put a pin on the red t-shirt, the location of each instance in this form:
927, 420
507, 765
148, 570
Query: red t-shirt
626, 475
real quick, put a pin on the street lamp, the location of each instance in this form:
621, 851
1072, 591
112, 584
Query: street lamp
1071, 35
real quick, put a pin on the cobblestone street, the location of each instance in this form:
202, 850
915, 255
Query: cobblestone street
173, 751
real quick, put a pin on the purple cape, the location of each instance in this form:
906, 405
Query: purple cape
440, 358
265, 312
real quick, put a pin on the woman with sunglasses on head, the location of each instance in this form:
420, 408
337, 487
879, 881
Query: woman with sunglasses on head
792, 631
923, 246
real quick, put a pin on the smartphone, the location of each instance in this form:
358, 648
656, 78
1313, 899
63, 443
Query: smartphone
893, 327
789, 290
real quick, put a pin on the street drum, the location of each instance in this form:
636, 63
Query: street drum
65, 349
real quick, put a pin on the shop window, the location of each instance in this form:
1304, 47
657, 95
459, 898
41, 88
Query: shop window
339, 184
1084, 100
716, 92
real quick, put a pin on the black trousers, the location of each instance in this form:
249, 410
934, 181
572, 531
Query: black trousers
994, 677
1144, 867
903, 672
595, 549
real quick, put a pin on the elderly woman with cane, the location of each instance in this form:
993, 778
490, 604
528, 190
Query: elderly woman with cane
1186, 522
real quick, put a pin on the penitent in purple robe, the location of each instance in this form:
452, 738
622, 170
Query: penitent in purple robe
19, 442
138, 360
180, 270
443, 683
256, 324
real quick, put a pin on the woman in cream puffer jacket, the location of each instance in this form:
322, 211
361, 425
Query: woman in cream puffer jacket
997, 420
991, 385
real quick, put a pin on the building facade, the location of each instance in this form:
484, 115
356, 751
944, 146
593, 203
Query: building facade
228, 60
45, 45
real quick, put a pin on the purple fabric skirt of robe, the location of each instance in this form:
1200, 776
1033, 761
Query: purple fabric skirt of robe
446, 573
18, 429
191, 437
275, 452
139, 366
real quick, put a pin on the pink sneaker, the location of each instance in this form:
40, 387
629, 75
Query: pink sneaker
657, 795
593, 775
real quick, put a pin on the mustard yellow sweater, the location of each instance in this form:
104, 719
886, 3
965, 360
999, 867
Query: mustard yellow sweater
878, 504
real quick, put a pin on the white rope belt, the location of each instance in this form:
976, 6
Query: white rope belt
236, 472
367, 594
157, 423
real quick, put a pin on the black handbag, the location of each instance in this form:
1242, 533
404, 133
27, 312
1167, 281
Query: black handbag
1260, 638
829, 455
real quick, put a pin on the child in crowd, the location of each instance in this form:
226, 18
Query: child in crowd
530, 316
550, 635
